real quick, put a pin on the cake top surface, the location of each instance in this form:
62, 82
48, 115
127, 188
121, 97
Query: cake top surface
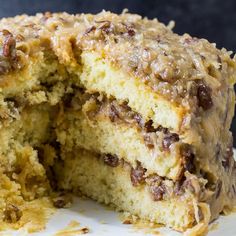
170, 64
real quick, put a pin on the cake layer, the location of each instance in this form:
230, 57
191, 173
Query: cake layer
99, 75
84, 172
103, 136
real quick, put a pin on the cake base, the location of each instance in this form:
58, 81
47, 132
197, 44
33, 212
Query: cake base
84, 172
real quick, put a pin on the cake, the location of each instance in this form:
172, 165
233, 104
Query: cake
120, 109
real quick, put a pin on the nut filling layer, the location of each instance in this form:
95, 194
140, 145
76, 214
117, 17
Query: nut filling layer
97, 106
162, 188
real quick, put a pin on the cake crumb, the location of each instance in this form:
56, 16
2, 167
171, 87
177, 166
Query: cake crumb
103, 222
127, 222
138, 224
72, 229
214, 226
74, 224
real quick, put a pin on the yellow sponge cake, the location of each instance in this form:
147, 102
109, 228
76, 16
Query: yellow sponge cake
120, 109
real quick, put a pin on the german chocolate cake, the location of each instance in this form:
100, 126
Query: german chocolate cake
120, 109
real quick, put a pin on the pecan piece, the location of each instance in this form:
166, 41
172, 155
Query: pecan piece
111, 160
204, 95
157, 192
12, 213
131, 32
148, 141
8, 57
59, 203
162, 129
9, 46
107, 27
188, 157
62, 200
113, 113
149, 126
156, 188
169, 139
137, 175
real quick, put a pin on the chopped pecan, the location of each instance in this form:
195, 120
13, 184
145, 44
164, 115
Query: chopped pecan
204, 95
130, 30
125, 106
106, 26
187, 157
62, 200
156, 188
111, 160
9, 47
149, 126
157, 192
12, 213
137, 175
59, 203
148, 141
162, 129
113, 113
169, 139
8, 57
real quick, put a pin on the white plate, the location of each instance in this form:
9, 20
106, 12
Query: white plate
104, 222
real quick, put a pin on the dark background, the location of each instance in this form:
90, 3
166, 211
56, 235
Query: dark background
214, 20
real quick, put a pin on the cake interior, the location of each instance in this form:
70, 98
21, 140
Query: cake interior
59, 134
